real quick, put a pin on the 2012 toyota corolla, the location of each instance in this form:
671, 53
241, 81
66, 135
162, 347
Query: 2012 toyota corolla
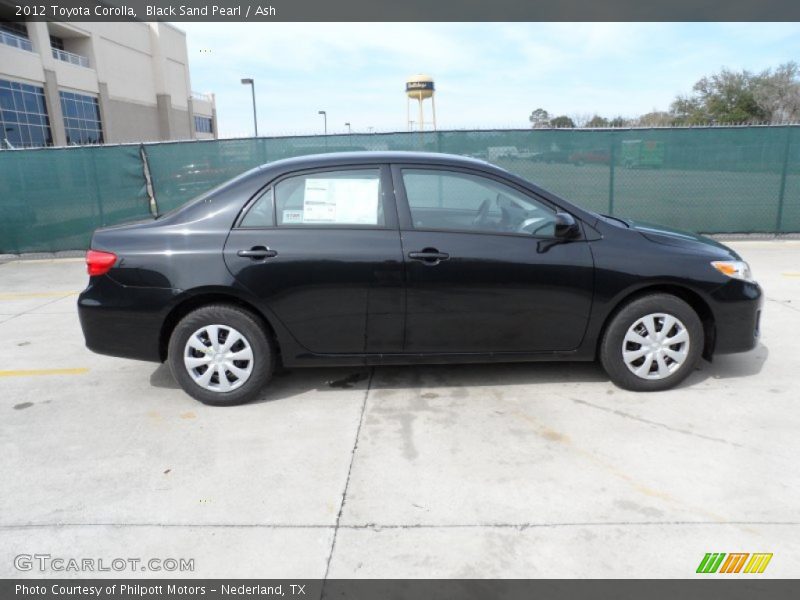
406, 258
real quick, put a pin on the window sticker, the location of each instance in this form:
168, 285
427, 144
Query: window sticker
341, 201
292, 216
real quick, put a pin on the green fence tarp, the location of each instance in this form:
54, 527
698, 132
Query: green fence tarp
52, 199
711, 180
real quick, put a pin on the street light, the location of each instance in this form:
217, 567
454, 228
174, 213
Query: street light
349, 130
325, 119
251, 83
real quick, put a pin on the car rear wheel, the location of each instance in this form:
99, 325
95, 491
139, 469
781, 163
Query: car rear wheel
221, 355
653, 343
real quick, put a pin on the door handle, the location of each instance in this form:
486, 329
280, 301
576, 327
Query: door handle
430, 256
257, 253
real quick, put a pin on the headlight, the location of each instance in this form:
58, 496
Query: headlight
738, 269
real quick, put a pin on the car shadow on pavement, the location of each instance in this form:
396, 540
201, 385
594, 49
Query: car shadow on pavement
730, 366
287, 383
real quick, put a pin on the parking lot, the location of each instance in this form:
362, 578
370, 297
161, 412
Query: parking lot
519, 470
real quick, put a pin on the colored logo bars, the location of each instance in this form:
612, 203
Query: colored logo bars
717, 562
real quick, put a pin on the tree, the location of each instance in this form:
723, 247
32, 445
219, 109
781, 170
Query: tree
539, 118
580, 119
725, 97
597, 121
562, 122
655, 118
778, 93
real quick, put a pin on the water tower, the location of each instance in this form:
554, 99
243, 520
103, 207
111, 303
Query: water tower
420, 88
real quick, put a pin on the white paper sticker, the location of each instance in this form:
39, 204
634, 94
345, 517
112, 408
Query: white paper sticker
293, 216
341, 201
318, 206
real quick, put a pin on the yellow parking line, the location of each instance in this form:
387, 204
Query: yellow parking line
14, 296
791, 274
32, 372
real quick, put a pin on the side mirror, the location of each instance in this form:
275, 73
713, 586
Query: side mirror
566, 227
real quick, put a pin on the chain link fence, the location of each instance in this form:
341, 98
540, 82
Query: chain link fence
710, 180
52, 199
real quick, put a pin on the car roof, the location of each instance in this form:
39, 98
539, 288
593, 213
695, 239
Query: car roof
374, 157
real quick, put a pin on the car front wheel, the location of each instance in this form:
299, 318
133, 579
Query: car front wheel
221, 355
653, 343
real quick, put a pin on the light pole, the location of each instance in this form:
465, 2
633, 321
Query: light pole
251, 83
349, 130
325, 120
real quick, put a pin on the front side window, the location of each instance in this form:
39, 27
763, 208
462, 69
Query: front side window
81, 119
330, 198
451, 200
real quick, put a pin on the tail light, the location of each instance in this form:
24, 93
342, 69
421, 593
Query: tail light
99, 262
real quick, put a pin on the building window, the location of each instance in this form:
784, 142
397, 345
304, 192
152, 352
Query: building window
19, 29
203, 125
57, 42
23, 116
81, 119
15, 35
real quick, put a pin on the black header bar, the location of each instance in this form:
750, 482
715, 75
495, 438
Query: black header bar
401, 10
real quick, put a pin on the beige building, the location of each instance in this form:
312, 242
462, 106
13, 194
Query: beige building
83, 83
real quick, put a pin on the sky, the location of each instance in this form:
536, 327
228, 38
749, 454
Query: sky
487, 75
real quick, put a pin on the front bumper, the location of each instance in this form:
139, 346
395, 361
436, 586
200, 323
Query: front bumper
737, 307
123, 321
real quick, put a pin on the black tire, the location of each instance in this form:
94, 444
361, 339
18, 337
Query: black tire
245, 323
611, 346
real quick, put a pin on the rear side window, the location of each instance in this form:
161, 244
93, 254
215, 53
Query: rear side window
260, 214
330, 198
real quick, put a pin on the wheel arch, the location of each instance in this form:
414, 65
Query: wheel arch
691, 297
199, 299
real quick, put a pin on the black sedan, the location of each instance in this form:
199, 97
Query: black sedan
406, 258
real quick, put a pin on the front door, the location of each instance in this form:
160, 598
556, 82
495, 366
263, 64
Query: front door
482, 271
322, 251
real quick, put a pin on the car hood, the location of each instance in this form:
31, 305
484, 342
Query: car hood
686, 239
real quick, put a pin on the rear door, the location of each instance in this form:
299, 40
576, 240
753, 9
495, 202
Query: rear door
483, 271
322, 250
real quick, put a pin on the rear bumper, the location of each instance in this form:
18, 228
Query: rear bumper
123, 321
737, 314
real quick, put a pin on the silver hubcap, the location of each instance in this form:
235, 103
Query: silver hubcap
218, 358
655, 346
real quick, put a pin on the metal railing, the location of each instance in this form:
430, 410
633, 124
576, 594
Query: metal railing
202, 96
70, 57
15, 41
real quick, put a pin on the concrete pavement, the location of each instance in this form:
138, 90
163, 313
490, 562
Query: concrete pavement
521, 470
